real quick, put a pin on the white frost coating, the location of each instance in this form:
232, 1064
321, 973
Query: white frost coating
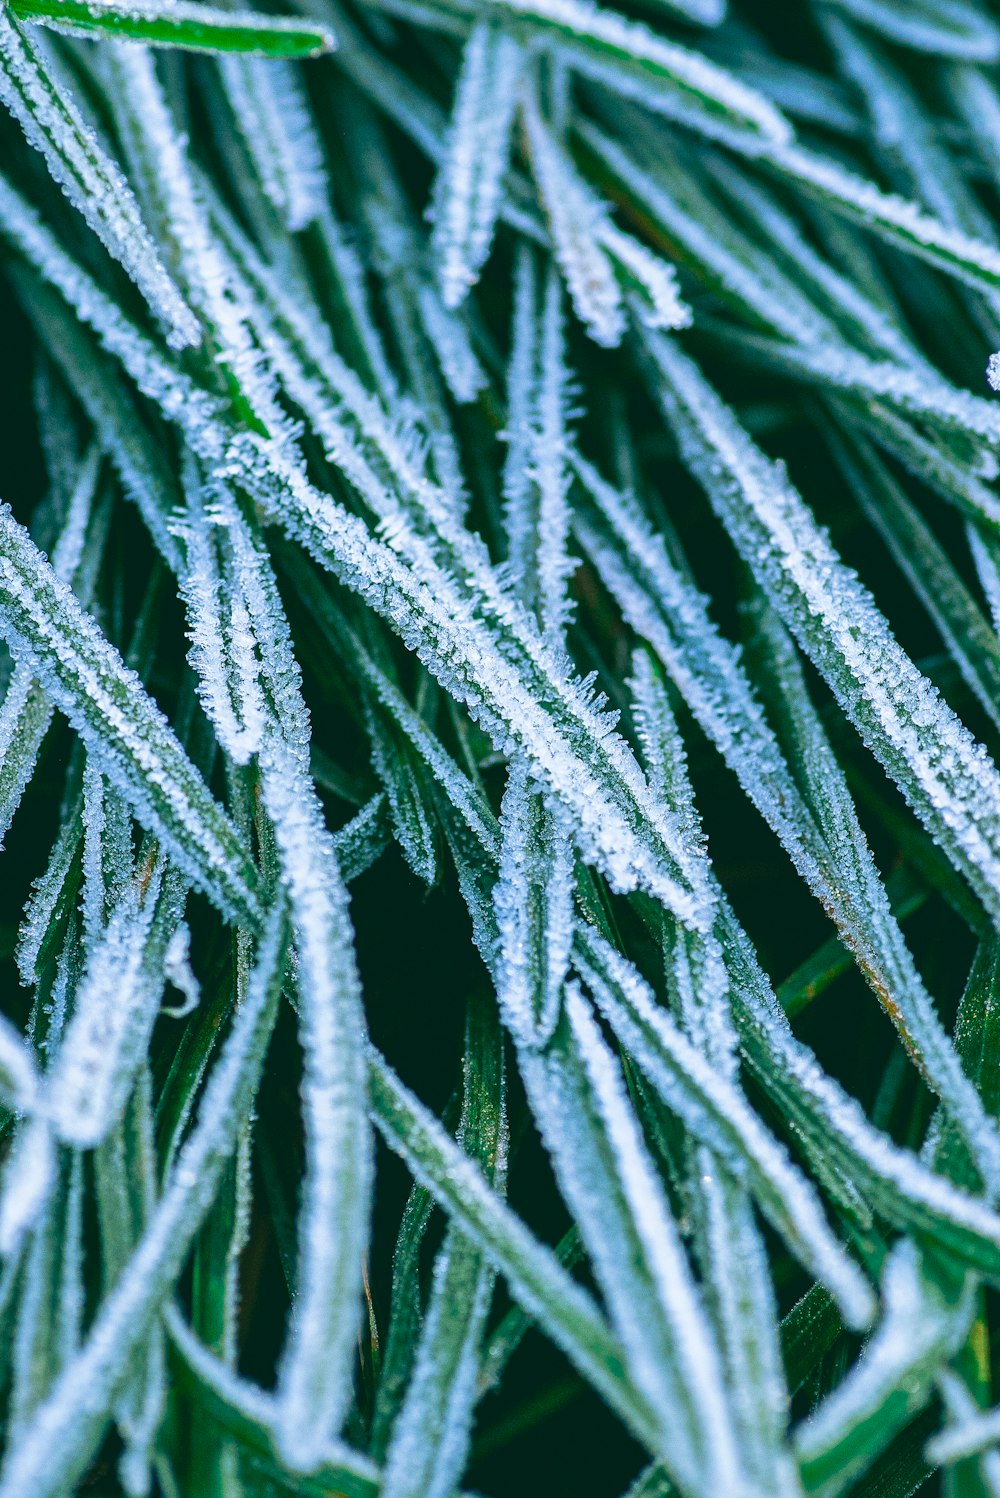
121, 725
705, 12
969, 1435
69, 1423
690, 72
518, 488
920, 391
31, 1356
904, 132
919, 1329
696, 972
314, 1381
898, 219
551, 472
535, 1276
252, 1402
949, 779
430, 1439
172, 14
18, 1073
252, 583
681, 209
963, 1410
276, 123
955, 30
92, 901
108, 1031
740, 1295
533, 903
68, 551
930, 460
719, 1115
223, 645
449, 337
177, 970
92, 182
822, 836
468, 801
469, 186
412, 821
284, 491
993, 371
595, 256
986, 556
161, 149
363, 839
430, 1435
29, 1176
975, 96
572, 747
706, 1428
905, 1190
41, 904
577, 220
672, 616
660, 306
180, 399
25, 713
569, 740
870, 319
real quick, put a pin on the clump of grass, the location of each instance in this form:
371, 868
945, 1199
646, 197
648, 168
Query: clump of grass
498, 720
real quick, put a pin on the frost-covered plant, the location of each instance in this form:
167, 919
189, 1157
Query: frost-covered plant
501, 551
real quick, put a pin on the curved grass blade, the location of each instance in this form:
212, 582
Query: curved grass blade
125, 730
944, 28
469, 187
431, 1433
925, 1320
947, 777
811, 811
313, 1383
561, 1308
245, 1412
66, 1427
44, 108
194, 27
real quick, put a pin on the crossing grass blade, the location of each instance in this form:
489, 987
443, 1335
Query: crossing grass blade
360, 414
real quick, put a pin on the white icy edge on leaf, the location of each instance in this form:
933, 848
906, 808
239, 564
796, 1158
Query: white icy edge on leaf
93, 183
948, 778
469, 185
67, 1426
278, 130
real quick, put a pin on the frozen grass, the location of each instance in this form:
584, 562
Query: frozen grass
499, 591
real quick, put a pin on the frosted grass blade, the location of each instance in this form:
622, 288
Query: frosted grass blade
944, 28
533, 901
313, 1384
198, 28
815, 818
957, 616
947, 777
923, 1322
91, 181
274, 119
430, 1437
603, 38
537, 1279
66, 1427
107, 704
25, 713
469, 187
